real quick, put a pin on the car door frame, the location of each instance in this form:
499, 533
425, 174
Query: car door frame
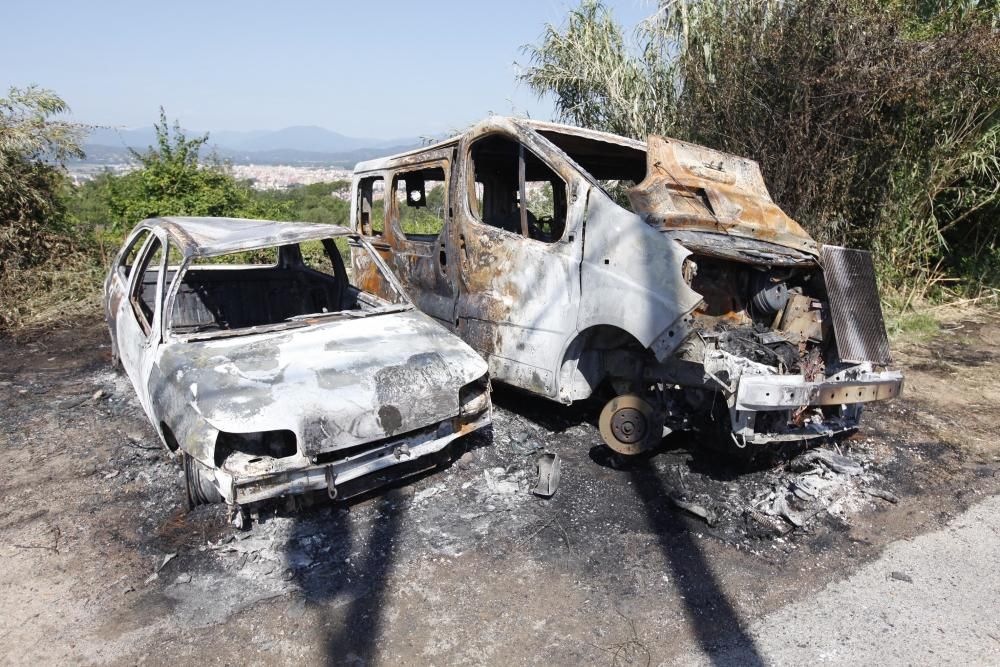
137, 347
406, 254
523, 336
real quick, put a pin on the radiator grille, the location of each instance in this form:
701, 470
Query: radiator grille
855, 306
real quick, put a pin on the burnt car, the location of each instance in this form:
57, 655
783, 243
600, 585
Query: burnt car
660, 275
269, 371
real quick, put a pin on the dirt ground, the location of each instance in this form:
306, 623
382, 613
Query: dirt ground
631, 562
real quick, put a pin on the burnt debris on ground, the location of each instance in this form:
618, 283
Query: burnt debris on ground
89, 494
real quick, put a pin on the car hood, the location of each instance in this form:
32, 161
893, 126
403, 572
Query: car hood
335, 384
694, 189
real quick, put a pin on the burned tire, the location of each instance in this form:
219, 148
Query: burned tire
199, 489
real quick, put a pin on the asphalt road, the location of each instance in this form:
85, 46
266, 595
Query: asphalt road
931, 600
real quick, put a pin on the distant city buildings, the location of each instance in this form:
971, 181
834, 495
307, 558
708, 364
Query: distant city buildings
282, 177
260, 176
81, 173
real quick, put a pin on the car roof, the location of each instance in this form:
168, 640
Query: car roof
201, 237
391, 161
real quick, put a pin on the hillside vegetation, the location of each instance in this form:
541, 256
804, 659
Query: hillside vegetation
57, 239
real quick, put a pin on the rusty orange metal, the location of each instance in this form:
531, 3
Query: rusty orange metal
689, 187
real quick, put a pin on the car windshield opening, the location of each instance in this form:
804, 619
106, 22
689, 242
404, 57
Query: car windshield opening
614, 166
287, 285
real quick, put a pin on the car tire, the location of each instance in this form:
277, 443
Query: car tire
198, 487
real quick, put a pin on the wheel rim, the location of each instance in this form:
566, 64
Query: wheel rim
629, 425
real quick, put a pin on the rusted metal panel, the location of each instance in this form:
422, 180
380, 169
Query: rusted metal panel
422, 264
689, 187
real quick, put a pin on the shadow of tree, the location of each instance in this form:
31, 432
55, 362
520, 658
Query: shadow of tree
348, 582
356, 636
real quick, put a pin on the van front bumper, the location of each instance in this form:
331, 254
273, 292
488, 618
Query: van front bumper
798, 402
778, 392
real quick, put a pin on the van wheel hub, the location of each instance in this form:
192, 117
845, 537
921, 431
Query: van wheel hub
629, 424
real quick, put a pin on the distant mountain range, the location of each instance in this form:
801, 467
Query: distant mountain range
302, 145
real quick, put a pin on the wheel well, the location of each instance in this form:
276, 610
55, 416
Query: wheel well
168, 437
584, 365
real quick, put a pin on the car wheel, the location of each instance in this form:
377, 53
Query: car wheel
198, 486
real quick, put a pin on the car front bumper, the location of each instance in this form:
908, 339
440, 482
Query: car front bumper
242, 489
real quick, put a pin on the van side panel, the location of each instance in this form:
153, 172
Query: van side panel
632, 275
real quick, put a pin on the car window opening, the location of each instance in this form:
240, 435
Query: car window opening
508, 175
615, 167
371, 206
144, 289
419, 203
128, 257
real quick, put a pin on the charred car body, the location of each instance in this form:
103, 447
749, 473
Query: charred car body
276, 375
574, 260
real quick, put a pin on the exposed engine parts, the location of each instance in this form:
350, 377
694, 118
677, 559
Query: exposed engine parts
761, 365
770, 295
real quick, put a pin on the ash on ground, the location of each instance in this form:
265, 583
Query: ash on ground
481, 501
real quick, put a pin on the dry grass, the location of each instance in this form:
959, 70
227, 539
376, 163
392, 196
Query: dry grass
53, 294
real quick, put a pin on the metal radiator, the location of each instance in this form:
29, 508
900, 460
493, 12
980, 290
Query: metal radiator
855, 307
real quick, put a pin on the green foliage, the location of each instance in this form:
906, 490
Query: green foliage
315, 202
875, 121
173, 180
423, 220
913, 327
541, 202
597, 80
57, 239
32, 146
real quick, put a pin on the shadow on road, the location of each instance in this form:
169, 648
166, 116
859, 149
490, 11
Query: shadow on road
362, 619
716, 624
348, 583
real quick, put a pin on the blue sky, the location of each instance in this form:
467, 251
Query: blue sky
370, 69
